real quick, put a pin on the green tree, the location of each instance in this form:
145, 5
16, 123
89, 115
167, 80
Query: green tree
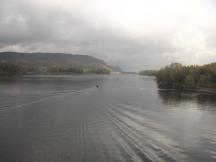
189, 81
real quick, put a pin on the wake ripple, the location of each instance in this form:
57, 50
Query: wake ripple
140, 138
41, 99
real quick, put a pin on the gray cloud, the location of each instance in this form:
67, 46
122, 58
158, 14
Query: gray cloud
29, 26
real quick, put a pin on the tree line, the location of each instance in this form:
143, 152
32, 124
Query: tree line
149, 72
180, 77
21, 68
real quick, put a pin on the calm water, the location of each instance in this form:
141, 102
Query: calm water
127, 119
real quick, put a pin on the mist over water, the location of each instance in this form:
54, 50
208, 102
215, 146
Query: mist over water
126, 119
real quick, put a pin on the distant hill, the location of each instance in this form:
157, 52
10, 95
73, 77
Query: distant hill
46, 58
53, 62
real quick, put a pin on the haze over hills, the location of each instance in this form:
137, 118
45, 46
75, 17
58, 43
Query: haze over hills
57, 62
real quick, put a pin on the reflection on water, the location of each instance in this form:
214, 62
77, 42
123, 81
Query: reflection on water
127, 119
175, 97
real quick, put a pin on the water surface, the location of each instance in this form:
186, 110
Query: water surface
127, 119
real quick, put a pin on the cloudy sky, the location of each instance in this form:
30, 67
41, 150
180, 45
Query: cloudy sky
133, 34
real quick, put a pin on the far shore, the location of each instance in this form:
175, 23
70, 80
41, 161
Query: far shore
11, 76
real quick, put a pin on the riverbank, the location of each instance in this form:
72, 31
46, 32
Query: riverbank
56, 75
201, 90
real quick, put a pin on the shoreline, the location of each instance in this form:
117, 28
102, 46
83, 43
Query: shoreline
11, 77
198, 90
202, 90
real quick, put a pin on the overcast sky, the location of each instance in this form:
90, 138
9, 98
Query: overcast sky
133, 34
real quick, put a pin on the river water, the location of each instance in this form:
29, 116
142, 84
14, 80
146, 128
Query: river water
127, 119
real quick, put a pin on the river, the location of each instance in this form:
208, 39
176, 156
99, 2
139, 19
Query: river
127, 119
